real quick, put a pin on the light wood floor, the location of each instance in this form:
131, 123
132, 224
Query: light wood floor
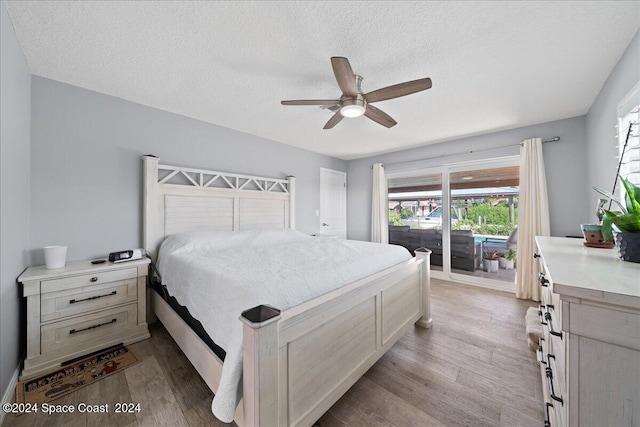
472, 368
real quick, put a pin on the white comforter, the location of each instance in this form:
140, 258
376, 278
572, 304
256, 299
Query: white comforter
217, 275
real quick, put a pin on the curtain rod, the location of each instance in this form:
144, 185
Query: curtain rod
544, 141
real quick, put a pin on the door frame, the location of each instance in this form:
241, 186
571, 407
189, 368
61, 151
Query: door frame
445, 170
343, 201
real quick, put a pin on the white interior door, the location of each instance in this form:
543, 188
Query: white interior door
333, 203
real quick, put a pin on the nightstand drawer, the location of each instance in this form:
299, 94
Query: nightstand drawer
88, 329
87, 279
71, 302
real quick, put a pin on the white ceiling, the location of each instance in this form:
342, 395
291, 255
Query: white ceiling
494, 65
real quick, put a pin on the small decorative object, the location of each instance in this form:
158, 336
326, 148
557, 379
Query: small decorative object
55, 256
593, 236
600, 209
490, 261
508, 259
626, 222
593, 232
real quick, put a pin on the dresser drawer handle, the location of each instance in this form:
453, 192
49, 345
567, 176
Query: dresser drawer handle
541, 351
543, 281
547, 317
73, 331
547, 422
73, 301
94, 279
549, 373
541, 314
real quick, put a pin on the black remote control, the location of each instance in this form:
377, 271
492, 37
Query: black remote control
99, 261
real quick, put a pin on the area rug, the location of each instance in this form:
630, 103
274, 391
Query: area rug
75, 374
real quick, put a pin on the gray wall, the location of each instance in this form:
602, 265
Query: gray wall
565, 166
602, 119
87, 174
15, 86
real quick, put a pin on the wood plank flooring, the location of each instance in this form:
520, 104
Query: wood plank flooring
473, 368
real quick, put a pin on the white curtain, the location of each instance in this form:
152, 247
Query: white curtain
379, 206
533, 217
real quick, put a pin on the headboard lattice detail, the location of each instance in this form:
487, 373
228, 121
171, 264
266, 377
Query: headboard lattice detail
197, 177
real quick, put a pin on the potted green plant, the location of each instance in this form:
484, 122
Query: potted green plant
624, 224
507, 260
490, 261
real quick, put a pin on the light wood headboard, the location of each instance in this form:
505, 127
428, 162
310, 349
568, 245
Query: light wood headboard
180, 199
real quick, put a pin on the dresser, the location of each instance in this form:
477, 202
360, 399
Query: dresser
82, 308
589, 352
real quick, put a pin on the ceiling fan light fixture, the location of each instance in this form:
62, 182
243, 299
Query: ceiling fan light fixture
352, 108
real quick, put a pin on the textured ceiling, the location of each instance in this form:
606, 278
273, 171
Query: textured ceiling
494, 65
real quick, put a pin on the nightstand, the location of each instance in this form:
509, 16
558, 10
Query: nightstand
82, 308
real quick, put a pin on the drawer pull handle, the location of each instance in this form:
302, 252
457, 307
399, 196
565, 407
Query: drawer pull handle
543, 281
536, 256
541, 314
547, 317
73, 331
547, 422
541, 351
94, 279
73, 301
549, 373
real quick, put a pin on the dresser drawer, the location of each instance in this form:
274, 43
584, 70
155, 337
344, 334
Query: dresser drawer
72, 302
87, 280
88, 329
618, 327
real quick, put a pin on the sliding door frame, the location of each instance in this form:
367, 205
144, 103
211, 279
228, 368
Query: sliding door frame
445, 172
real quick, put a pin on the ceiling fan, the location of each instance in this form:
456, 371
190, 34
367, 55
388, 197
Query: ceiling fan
355, 103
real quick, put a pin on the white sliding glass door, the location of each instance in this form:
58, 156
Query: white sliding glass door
465, 214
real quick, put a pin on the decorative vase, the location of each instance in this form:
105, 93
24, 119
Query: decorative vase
593, 236
628, 246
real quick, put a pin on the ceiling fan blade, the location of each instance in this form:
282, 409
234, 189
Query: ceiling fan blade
396, 91
379, 116
334, 120
344, 75
312, 102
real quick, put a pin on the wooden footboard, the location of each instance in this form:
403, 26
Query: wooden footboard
298, 363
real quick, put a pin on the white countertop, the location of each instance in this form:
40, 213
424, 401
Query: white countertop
583, 272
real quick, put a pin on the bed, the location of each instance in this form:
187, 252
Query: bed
297, 359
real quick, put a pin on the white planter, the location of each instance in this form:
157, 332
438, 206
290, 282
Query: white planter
490, 265
507, 264
55, 256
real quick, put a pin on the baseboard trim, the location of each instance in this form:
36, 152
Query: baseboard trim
480, 282
10, 393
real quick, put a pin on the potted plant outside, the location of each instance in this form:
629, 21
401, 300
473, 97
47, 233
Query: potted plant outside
507, 260
624, 224
490, 261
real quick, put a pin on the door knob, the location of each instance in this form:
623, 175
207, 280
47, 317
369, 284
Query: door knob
324, 224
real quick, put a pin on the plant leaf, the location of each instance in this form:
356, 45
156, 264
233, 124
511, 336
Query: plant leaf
627, 223
632, 197
611, 196
607, 233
